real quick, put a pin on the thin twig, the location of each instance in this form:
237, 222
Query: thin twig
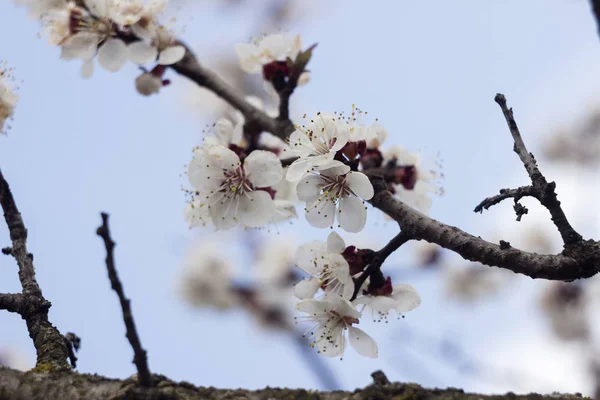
516, 194
31, 305
140, 358
544, 191
596, 10
378, 259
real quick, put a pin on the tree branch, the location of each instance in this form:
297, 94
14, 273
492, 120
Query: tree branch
191, 68
579, 261
596, 11
139, 359
49, 344
378, 259
516, 194
11, 302
543, 190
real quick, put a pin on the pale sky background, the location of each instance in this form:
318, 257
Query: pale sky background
428, 70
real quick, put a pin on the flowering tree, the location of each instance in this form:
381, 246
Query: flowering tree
254, 169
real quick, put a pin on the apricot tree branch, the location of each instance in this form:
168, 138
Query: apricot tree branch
191, 68
378, 259
541, 189
596, 11
31, 305
581, 260
139, 358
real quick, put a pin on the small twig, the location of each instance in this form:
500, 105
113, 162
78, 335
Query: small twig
544, 191
140, 358
378, 259
73, 344
596, 10
31, 304
517, 194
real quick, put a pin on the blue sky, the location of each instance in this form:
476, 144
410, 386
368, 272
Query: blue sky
428, 70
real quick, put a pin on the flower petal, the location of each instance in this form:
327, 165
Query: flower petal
223, 213
263, 168
306, 288
87, 69
352, 214
308, 189
307, 254
335, 243
320, 214
113, 55
360, 185
362, 343
171, 55
256, 208
406, 298
224, 158
142, 53
298, 169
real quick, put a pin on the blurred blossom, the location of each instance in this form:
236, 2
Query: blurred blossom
207, 278
579, 144
275, 263
429, 255
474, 282
565, 306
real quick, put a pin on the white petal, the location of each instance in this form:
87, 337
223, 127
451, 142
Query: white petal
80, 46
352, 214
113, 55
320, 214
360, 185
87, 69
142, 53
308, 189
307, 254
333, 341
263, 168
171, 55
223, 213
311, 306
223, 158
304, 78
270, 89
406, 298
248, 55
335, 243
276, 45
362, 343
256, 209
306, 288
298, 169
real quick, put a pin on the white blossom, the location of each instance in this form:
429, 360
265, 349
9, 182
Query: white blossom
274, 263
8, 96
163, 47
324, 262
426, 182
276, 47
334, 318
207, 278
232, 188
196, 212
336, 193
403, 298
316, 144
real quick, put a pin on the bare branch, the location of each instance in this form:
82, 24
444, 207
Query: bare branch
596, 10
543, 190
139, 358
191, 68
579, 261
516, 194
378, 260
31, 305
11, 302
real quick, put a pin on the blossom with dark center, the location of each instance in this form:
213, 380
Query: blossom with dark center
336, 193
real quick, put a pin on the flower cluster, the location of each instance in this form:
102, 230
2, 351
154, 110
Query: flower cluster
114, 31
330, 299
8, 97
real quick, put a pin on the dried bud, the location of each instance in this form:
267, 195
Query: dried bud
372, 158
406, 176
358, 259
378, 287
147, 84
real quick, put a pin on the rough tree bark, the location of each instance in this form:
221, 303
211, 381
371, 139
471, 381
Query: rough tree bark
17, 385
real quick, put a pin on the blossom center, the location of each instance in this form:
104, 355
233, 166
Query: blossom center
236, 183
